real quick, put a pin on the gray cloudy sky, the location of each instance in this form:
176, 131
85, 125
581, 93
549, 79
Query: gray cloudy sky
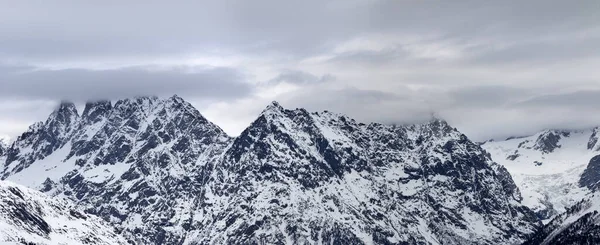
492, 69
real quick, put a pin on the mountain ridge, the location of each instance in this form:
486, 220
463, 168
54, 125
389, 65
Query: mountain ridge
162, 173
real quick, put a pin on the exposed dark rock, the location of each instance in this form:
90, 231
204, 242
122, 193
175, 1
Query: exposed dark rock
591, 175
549, 141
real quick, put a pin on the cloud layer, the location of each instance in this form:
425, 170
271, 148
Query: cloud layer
493, 69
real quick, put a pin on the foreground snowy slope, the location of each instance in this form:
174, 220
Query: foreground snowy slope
30, 217
580, 224
162, 174
547, 167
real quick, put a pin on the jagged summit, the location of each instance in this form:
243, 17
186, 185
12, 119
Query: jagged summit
324, 162
96, 110
163, 174
65, 113
273, 107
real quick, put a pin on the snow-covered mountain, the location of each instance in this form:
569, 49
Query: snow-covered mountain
30, 217
163, 174
137, 163
547, 167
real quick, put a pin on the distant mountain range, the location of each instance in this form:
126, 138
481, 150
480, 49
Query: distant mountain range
160, 173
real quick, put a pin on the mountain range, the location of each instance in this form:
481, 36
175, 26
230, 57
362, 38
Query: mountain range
160, 173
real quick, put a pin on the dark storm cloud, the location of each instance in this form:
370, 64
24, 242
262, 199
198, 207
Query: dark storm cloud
82, 85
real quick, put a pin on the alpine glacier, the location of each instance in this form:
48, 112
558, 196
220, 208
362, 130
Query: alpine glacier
547, 167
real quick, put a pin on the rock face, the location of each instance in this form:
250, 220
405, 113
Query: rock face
3, 148
3, 151
30, 217
163, 174
593, 143
591, 175
548, 141
42, 139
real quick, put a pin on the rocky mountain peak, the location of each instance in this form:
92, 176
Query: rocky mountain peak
63, 118
273, 108
548, 140
42, 138
177, 99
437, 128
66, 106
163, 174
96, 110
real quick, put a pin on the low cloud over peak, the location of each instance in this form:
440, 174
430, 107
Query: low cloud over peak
491, 69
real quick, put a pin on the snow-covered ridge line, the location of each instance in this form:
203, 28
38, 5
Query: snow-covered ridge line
163, 174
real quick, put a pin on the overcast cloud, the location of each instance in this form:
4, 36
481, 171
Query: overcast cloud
491, 69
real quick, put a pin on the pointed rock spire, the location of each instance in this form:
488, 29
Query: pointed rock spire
94, 110
64, 117
66, 108
273, 107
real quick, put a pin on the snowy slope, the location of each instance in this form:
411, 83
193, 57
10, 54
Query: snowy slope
547, 167
580, 224
162, 174
30, 217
